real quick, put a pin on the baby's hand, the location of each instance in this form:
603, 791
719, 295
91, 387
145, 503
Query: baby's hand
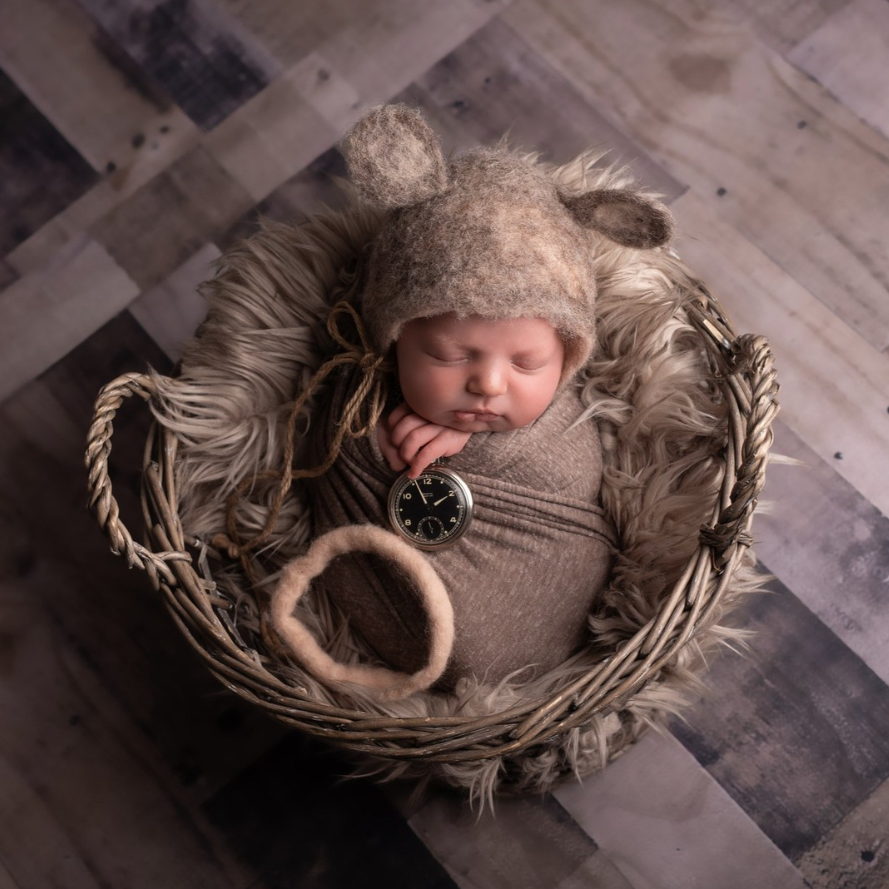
406, 439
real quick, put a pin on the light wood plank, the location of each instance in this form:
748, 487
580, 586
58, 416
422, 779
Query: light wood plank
833, 382
821, 536
780, 24
46, 315
858, 79
666, 824
81, 92
171, 311
290, 31
326, 90
747, 131
494, 85
856, 852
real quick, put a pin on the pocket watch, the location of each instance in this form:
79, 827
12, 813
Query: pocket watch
433, 510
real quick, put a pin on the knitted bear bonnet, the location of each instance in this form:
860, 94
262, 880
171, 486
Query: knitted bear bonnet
487, 234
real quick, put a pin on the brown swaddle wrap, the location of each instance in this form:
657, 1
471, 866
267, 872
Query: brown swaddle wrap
524, 577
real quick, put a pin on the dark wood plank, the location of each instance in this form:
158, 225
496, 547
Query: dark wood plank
798, 732
87, 801
40, 172
293, 818
188, 49
175, 214
495, 84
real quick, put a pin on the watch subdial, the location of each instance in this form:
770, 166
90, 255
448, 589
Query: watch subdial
431, 528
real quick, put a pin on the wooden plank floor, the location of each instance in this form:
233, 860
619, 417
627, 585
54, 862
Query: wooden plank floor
137, 139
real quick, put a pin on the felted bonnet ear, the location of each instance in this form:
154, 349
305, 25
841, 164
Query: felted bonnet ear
394, 158
625, 217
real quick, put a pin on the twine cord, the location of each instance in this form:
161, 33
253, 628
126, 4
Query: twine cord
355, 422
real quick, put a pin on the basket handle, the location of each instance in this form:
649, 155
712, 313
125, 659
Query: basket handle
101, 501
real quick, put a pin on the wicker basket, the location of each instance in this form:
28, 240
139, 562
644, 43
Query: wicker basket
743, 366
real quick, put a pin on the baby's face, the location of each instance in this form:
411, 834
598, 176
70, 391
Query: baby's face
479, 375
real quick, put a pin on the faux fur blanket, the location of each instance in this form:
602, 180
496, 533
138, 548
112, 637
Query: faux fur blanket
650, 387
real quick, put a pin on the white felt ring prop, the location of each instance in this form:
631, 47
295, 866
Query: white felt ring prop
389, 685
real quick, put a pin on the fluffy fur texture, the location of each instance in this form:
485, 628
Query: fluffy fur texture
491, 234
650, 385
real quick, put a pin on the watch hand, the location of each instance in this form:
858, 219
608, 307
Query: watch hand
441, 499
420, 492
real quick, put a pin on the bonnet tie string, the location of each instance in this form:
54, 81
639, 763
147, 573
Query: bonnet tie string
371, 390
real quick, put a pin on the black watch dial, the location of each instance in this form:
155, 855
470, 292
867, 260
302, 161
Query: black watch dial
431, 511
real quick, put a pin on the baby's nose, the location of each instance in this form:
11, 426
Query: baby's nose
488, 379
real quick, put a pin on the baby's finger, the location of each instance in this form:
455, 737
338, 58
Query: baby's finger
408, 426
426, 456
397, 415
445, 444
416, 439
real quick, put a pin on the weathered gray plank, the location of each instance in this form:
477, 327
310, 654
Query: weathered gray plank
495, 84
97, 101
744, 129
830, 546
797, 733
110, 615
171, 218
666, 824
46, 315
84, 804
857, 79
833, 381
199, 56
270, 138
780, 24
